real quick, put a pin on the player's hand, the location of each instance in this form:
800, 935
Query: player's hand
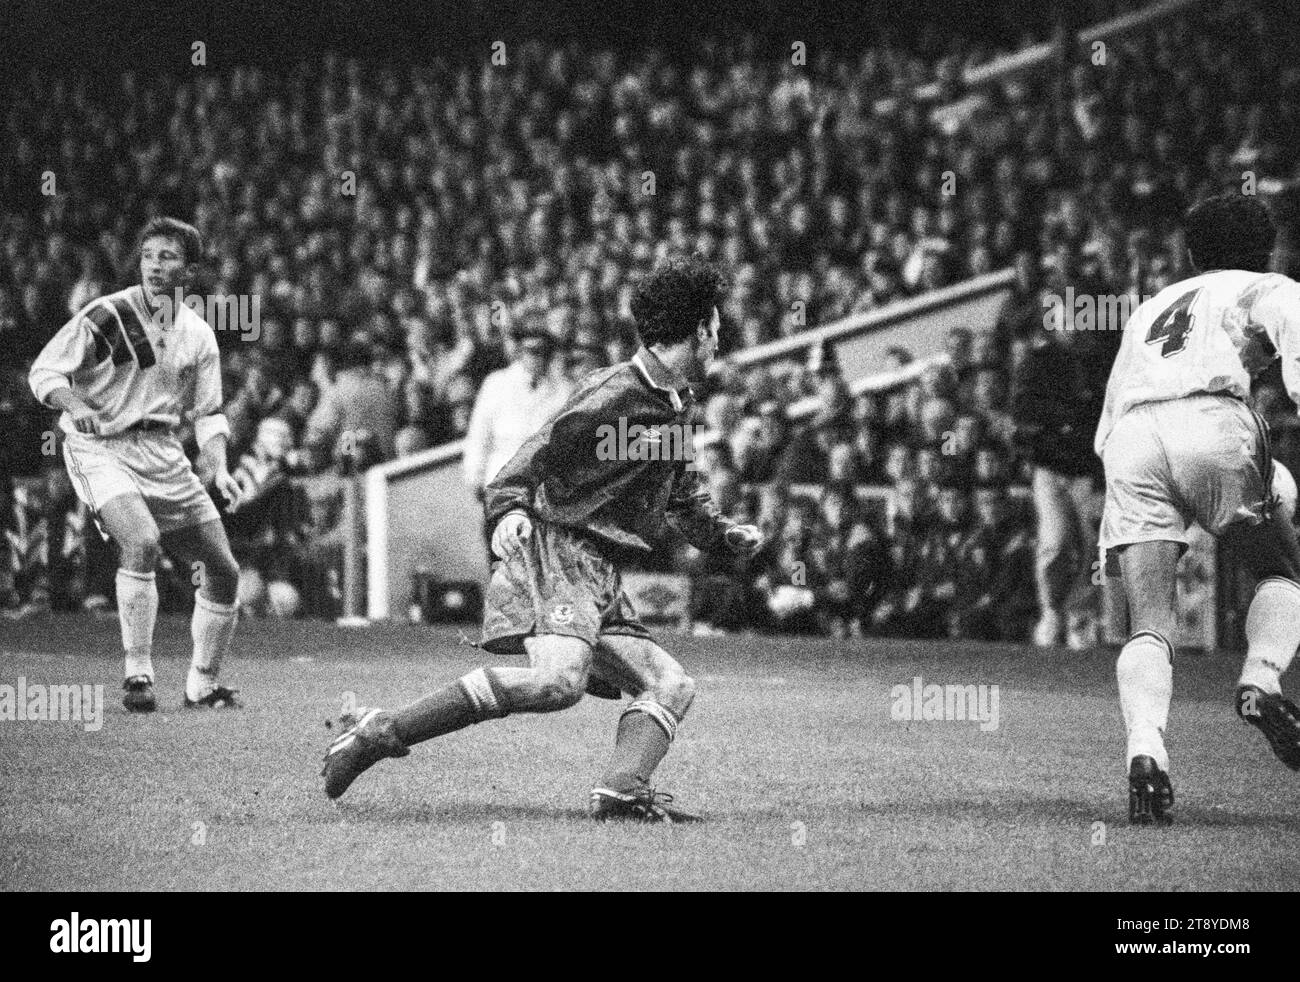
83, 418
510, 533
229, 488
744, 540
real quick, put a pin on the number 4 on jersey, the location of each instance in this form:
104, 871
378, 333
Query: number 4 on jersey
1173, 326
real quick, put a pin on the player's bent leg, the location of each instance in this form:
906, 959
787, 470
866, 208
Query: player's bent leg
204, 549
1270, 550
646, 729
1145, 673
127, 521
553, 681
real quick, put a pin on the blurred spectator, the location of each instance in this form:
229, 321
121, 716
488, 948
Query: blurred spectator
1056, 416
411, 440
513, 404
356, 415
265, 531
26, 507
583, 356
786, 583
995, 598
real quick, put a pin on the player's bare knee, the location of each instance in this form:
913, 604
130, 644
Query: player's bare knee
141, 551
676, 691
221, 580
561, 687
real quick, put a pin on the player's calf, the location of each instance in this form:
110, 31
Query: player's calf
646, 731
1145, 674
137, 613
1272, 633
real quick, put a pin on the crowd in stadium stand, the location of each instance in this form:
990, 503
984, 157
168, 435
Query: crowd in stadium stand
395, 221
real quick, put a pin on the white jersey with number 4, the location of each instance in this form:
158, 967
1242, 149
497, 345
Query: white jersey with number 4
1208, 334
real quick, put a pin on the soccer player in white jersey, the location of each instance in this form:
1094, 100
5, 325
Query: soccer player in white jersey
125, 371
1181, 445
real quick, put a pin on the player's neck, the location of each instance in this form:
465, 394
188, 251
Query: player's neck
680, 358
156, 303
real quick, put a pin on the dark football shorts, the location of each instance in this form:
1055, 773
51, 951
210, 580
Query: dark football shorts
559, 583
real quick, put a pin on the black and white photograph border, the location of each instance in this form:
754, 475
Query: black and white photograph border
708, 448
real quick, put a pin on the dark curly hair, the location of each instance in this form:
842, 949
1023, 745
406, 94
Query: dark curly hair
678, 294
1230, 231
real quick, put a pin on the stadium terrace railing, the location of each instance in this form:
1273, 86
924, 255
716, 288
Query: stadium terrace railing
1036, 55
859, 342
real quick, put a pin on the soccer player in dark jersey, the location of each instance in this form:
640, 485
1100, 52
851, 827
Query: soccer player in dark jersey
610, 474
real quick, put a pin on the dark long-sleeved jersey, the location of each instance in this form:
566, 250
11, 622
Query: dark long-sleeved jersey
614, 462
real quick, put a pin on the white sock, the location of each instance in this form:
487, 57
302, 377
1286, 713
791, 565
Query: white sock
1145, 671
212, 628
1272, 633
137, 610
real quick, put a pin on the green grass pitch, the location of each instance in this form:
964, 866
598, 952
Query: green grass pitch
791, 752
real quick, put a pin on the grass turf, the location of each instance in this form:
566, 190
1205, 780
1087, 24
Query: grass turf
790, 751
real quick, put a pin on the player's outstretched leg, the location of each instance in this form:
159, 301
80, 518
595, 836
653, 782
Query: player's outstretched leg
645, 730
205, 549
555, 680
129, 524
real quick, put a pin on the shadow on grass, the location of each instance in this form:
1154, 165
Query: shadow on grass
1012, 811
458, 814
1015, 810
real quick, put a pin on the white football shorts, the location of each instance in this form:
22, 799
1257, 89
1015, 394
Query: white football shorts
1203, 459
151, 464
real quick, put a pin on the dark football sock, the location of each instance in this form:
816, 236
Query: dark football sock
645, 732
472, 699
